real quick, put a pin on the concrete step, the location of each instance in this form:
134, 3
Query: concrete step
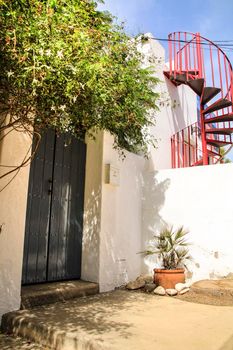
7, 342
48, 293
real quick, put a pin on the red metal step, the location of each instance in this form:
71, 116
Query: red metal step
199, 162
196, 85
221, 103
221, 131
220, 119
180, 78
214, 153
217, 143
209, 93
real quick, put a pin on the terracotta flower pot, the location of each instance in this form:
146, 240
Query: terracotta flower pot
168, 278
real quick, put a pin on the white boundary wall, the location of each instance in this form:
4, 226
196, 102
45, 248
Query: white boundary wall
13, 202
199, 198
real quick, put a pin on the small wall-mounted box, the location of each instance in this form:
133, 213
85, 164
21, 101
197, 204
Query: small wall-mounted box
112, 175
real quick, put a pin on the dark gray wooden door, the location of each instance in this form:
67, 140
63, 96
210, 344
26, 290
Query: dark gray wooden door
54, 221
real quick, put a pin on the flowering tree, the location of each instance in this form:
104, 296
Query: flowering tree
66, 65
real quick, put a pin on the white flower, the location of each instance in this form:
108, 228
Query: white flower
48, 53
53, 108
10, 73
62, 108
60, 54
41, 52
74, 98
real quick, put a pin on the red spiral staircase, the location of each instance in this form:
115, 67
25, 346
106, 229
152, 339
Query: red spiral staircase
203, 66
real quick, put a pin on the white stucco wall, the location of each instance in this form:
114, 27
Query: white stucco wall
13, 201
200, 198
120, 239
92, 209
177, 105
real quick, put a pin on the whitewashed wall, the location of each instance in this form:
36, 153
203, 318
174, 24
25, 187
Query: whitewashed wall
13, 200
92, 209
200, 198
120, 237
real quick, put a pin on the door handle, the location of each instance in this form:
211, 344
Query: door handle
50, 186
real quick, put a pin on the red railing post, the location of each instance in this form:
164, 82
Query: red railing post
202, 117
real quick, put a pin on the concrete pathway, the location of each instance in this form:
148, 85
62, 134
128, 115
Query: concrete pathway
124, 320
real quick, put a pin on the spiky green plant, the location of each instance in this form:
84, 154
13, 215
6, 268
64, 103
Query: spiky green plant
171, 247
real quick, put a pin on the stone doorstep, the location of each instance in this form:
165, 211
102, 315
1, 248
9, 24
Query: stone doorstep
48, 293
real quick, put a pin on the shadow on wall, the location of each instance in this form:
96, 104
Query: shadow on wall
8, 290
178, 122
154, 193
121, 225
90, 243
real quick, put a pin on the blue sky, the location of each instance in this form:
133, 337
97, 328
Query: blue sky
213, 19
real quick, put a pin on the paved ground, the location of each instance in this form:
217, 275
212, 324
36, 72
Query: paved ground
124, 320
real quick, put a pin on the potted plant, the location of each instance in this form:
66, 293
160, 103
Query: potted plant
170, 246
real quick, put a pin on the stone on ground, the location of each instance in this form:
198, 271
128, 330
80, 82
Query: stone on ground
160, 291
185, 290
149, 287
137, 284
180, 286
147, 278
171, 292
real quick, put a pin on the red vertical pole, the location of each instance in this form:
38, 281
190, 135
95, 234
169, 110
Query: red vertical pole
194, 55
203, 64
183, 150
203, 137
212, 66
180, 53
175, 57
199, 56
227, 89
231, 88
189, 147
175, 151
172, 151
178, 150
189, 57
220, 73
186, 56
170, 53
